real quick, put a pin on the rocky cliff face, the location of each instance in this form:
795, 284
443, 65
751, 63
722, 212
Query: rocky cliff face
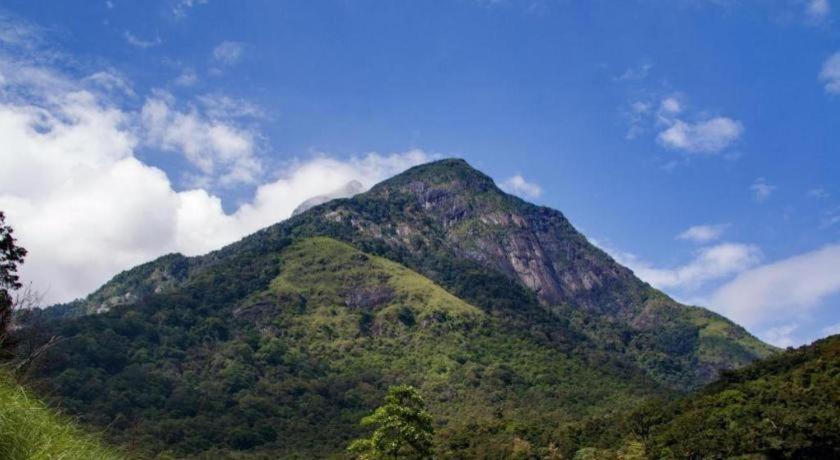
449, 203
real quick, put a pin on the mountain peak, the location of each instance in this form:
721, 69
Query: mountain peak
453, 171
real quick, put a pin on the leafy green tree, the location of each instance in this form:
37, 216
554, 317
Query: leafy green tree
11, 255
403, 428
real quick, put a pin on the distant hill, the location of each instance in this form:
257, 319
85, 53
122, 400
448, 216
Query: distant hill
508, 320
786, 406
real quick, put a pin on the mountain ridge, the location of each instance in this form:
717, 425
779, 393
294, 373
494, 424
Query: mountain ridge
436, 210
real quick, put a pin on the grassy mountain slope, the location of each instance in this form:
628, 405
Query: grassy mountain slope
288, 365
452, 224
31, 431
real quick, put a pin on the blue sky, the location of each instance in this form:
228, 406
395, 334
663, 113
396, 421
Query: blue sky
696, 141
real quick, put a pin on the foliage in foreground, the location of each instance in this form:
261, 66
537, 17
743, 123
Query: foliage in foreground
403, 428
29, 430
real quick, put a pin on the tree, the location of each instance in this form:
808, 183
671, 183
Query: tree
11, 255
403, 428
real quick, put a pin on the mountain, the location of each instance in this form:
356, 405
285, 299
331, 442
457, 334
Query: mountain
506, 318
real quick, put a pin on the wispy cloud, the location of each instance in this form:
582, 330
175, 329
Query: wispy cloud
517, 185
133, 40
703, 233
817, 10
830, 74
188, 77
636, 73
783, 289
228, 52
709, 264
213, 143
762, 190
181, 7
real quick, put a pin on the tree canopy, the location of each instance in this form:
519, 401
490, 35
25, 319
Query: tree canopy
403, 428
11, 255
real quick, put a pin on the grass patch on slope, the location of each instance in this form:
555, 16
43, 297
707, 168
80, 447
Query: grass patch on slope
29, 430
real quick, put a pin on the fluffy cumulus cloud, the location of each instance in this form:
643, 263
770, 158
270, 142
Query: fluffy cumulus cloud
830, 74
702, 233
680, 129
517, 185
788, 288
706, 136
86, 207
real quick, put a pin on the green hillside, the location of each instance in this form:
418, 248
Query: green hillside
290, 369
29, 430
786, 406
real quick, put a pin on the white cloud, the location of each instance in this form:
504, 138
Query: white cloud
216, 146
703, 233
709, 136
703, 135
761, 189
111, 82
831, 330
670, 105
139, 42
635, 73
780, 336
517, 185
86, 207
228, 53
783, 289
817, 10
710, 263
188, 77
830, 74
180, 7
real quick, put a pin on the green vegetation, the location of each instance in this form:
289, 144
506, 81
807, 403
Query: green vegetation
11, 255
403, 428
787, 406
783, 407
29, 430
288, 369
